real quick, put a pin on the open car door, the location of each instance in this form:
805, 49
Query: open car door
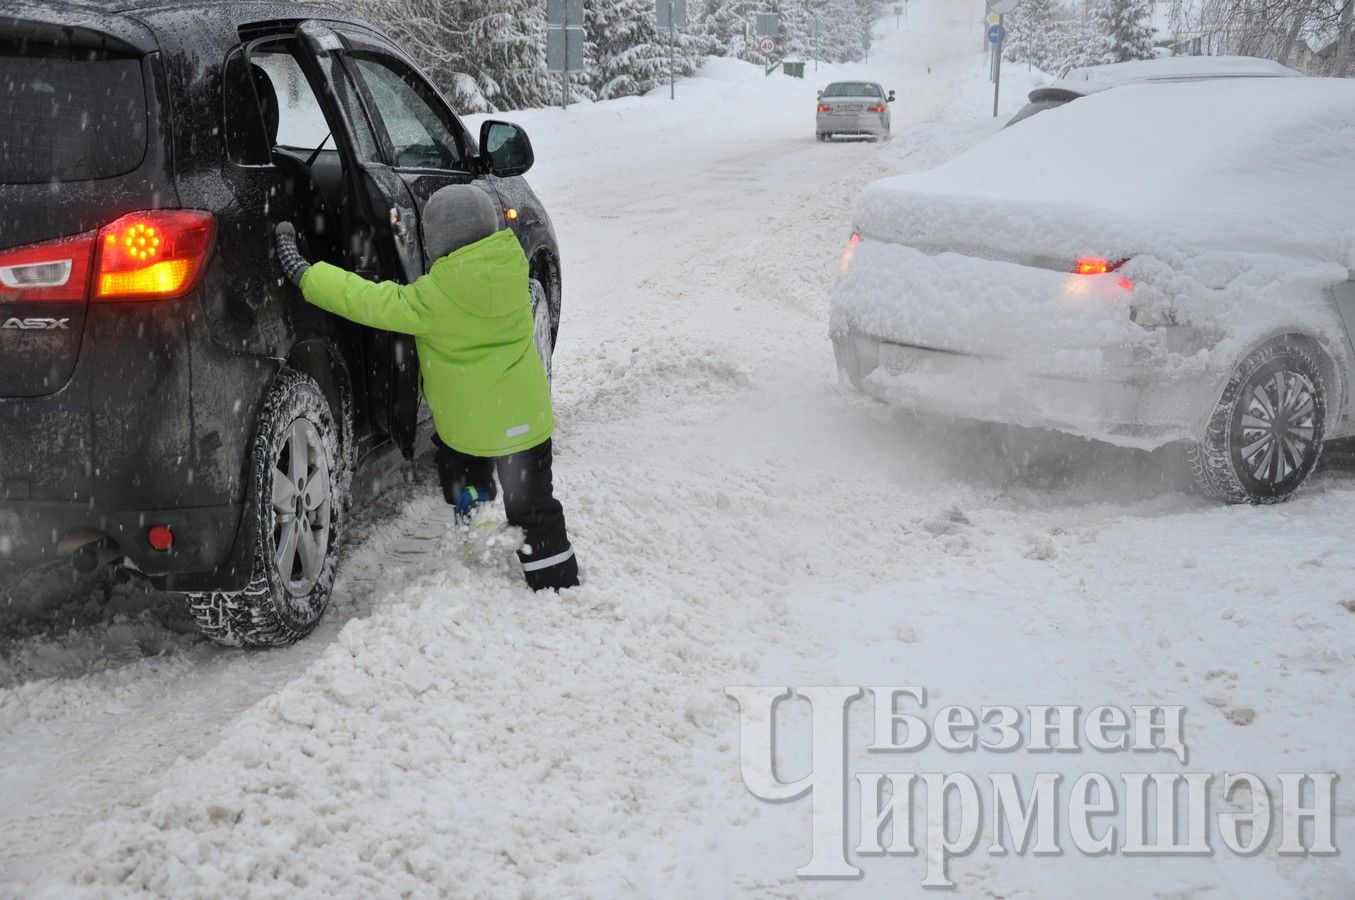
382, 241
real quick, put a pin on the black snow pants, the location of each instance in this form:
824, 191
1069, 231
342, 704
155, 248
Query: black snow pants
529, 499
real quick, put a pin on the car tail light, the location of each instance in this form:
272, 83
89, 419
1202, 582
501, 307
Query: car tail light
877, 108
153, 255
823, 107
52, 271
850, 253
1096, 265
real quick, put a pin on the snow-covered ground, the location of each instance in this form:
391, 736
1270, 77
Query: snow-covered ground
741, 519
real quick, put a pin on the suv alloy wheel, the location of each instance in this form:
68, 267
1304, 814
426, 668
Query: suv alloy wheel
298, 507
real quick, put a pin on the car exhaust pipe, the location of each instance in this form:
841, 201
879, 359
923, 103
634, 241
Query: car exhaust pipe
94, 556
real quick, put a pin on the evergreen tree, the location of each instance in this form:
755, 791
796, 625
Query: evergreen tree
1121, 30
629, 54
721, 25
506, 52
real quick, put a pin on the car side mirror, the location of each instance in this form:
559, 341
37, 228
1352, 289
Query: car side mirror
820, 95
505, 150
891, 96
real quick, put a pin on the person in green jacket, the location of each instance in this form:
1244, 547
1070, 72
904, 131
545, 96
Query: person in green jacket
481, 374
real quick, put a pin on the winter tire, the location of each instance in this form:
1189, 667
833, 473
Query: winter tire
823, 137
1265, 436
543, 328
296, 484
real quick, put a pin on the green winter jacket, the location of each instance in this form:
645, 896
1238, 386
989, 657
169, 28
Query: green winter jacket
471, 317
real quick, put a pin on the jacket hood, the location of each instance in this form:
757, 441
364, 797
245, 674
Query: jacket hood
488, 278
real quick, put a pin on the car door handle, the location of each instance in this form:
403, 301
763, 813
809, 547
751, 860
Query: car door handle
398, 226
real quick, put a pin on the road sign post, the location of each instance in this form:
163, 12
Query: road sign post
818, 40
898, 12
997, 36
564, 41
671, 14
768, 27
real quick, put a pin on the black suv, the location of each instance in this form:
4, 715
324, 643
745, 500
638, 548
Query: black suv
167, 400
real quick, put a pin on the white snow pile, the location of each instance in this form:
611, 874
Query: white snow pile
1233, 202
353, 779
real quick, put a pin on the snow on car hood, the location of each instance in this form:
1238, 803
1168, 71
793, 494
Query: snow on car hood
1091, 79
1251, 165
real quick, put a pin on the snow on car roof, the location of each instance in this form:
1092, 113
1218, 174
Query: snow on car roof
1093, 79
1251, 164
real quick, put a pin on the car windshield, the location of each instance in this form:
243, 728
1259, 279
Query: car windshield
70, 118
851, 89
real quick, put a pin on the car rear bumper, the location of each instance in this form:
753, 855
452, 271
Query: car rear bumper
119, 449
851, 123
1128, 403
203, 537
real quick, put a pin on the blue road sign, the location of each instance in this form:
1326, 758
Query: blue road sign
997, 34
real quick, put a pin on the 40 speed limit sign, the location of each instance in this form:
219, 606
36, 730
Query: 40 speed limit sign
767, 45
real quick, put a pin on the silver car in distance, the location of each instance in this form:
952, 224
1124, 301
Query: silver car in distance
854, 108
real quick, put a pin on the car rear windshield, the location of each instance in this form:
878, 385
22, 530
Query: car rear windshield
851, 89
72, 116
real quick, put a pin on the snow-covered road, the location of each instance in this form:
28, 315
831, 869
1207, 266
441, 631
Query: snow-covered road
740, 519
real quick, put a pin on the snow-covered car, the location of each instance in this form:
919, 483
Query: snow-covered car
1090, 80
1153, 264
853, 108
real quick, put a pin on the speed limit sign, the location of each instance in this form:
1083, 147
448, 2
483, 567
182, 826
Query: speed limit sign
767, 45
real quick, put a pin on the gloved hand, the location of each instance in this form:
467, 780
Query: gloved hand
294, 264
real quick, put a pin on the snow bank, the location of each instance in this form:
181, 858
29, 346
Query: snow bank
467, 740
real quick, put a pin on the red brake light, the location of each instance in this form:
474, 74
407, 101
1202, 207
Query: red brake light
158, 254
850, 253
53, 271
823, 107
878, 108
1095, 265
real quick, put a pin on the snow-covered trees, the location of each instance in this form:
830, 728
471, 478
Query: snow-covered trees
721, 25
490, 54
1054, 36
486, 54
1318, 35
628, 53
1125, 30
1042, 32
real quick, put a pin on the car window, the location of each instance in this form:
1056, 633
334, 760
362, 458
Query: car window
70, 117
420, 133
301, 120
852, 89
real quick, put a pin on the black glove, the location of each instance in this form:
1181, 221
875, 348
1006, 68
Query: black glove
294, 265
